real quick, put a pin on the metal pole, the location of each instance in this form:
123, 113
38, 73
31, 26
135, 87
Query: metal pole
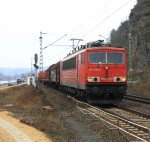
130, 58
41, 49
41, 55
41, 52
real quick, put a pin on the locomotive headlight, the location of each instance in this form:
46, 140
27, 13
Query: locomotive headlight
120, 79
93, 79
123, 79
89, 79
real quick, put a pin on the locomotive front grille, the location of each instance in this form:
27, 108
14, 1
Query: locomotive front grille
104, 89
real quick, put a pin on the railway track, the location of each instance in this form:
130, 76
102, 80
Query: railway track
130, 123
138, 99
135, 112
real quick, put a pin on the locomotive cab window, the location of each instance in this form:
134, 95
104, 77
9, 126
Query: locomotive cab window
105, 58
95, 58
114, 58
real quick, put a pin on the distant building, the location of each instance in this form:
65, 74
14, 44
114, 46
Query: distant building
31, 80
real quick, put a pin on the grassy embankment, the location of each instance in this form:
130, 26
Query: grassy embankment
27, 106
142, 87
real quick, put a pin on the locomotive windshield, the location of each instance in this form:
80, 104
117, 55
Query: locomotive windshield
105, 58
97, 58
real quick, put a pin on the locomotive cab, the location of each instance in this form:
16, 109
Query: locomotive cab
106, 80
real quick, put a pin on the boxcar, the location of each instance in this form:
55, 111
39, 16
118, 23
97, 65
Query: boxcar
42, 75
55, 74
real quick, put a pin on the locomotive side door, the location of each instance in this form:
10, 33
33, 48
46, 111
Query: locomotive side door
78, 69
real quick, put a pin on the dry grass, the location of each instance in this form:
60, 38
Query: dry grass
28, 104
142, 87
26, 100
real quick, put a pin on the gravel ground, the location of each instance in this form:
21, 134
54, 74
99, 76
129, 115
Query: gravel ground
144, 108
80, 125
100, 129
78, 131
108, 132
79, 128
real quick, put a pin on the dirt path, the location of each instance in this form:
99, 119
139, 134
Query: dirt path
5, 136
34, 134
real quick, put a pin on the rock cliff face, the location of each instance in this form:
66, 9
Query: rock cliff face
139, 27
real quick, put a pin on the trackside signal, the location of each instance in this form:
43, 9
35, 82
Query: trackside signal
36, 66
36, 58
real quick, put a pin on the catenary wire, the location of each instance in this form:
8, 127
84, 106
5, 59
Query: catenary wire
107, 18
81, 25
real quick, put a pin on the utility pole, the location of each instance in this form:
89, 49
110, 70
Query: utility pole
35, 64
41, 52
130, 69
42, 48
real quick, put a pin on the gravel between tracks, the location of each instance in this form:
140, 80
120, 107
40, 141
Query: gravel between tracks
139, 107
78, 123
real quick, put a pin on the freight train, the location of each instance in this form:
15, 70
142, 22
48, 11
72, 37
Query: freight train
94, 72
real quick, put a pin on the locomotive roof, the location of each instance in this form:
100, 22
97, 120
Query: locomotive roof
93, 49
53, 66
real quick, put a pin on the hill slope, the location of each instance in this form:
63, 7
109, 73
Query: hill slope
138, 26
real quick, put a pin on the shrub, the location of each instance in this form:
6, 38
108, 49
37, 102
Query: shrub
147, 12
147, 2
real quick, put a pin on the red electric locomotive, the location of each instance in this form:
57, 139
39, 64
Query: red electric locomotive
97, 73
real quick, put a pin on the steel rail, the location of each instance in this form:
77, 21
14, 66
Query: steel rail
135, 112
85, 108
119, 119
138, 99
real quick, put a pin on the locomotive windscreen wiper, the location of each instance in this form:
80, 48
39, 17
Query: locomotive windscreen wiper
100, 63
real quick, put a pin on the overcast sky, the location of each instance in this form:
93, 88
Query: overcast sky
22, 20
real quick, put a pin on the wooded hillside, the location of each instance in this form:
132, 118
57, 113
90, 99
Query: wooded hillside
137, 31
